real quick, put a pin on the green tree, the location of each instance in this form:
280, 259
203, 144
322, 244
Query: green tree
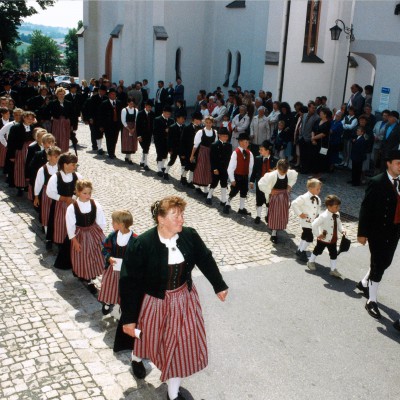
11, 58
11, 16
43, 53
71, 51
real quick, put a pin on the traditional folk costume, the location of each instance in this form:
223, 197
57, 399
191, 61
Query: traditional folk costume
86, 221
61, 125
144, 129
129, 142
239, 170
275, 187
330, 226
157, 293
42, 179
185, 151
220, 155
4, 132
308, 204
160, 132
202, 175
174, 137
262, 165
33, 148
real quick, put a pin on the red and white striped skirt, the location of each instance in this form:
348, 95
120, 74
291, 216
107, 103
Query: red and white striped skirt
60, 226
45, 204
3, 152
19, 166
61, 130
109, 292
89, 262
30, 192
278, 211
129, 144
174, 337
202, 175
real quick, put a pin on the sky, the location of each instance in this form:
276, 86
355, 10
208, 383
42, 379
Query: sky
65, 13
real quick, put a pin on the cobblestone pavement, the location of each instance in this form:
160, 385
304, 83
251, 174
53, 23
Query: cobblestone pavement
54, 340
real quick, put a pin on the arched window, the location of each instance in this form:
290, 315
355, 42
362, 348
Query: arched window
108, 59
178, 57
237, 73
310, 47
228, 69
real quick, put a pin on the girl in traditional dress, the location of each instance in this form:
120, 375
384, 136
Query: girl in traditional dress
277, 186
203, 140
61, 189
129, 141
159, 297
114, 248
4, 120
85, 222
42, 179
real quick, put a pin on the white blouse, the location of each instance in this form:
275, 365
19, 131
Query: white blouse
85, 208
123, 238
130, 111
4, 132
174, 254
39, 182
52, 185
199, 134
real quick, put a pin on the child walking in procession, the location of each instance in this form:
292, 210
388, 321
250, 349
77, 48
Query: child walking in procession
263, 164
307, 207
277, 186
85, 224
327, 228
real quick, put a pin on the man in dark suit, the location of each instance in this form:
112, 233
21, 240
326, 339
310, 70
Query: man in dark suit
179, 92
8, 92
76, 100
379, 224
391, 138
356, 99
160, 132
144, 131
358, 155
161, 99
110, 121
174, 139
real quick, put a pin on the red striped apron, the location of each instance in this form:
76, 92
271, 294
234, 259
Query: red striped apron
109, 292
129, 144
61, 129
278, 211
19, 165
3, 152
60, 226
89, 262
174, 337
202, 175
45, 204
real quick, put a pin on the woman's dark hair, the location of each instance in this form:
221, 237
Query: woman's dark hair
332, 200
160, 208
130, 99
327, 112
285, 105
66, 158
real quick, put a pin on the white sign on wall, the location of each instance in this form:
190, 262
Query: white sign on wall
384, 99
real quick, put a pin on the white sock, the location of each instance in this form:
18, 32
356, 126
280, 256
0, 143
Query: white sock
206, 189
183, 172
167, 169
228, 202
210, 194
273, 232
99, 143
333, 264
142, 160
266, 211
45, 229
190, 177
145, 158
159, 166
364, 280
259, 209
301, 244
173, 387
223, 195
242, 201
135, 358
373, 291
164, 162
128, 157
312, 258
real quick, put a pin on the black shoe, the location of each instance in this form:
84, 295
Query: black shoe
20, 193
226, 209
106, 309
146, 168
160, 174
266, 220
364, 290
138, 369
163, 170
166, 177
127, 160
221, 203
274, 239
243, 211
130, 162
302, 256
396, 324
180, 397
49, 245
141, 165
95, 148
190, 185
183, 181
257, 220
112, 157
92, 288
199, 191
373, 310
100, 152
208, 201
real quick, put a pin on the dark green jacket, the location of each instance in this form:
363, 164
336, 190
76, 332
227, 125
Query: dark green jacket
144, 269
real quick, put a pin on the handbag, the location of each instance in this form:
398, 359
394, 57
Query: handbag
323, 151
344, 244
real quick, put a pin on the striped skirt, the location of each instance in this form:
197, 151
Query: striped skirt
60, 226
45, 204
174, 337
278, 211
61, 130
129, 144
202, 175
3, 152
89, 262
109, 292
19, 166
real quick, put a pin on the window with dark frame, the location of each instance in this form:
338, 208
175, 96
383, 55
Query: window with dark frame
228, 69
178, 56
238, 65
311, 32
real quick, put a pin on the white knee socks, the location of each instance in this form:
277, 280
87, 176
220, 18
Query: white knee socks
312, 258
173, 387
364, 280
183, 172
159, 166
167, 169
333, 264
190, 177
210, 194
259, 209
373, 291
273, 232
223, 195
242, 201
128, 157
135, 358
99, 143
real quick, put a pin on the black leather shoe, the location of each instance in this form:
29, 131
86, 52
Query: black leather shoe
100, 152
166, 177
146, 168
373, 310
199, 191
92, 288
160, 174
243, 211
302, 256
180, 397
221, 203
208, 201
127, 160
130, 162
138, 369
106, 309
274, 239
49, 244
226, 209
364, 290
141, 165
257, 220
396, 324
183, 181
